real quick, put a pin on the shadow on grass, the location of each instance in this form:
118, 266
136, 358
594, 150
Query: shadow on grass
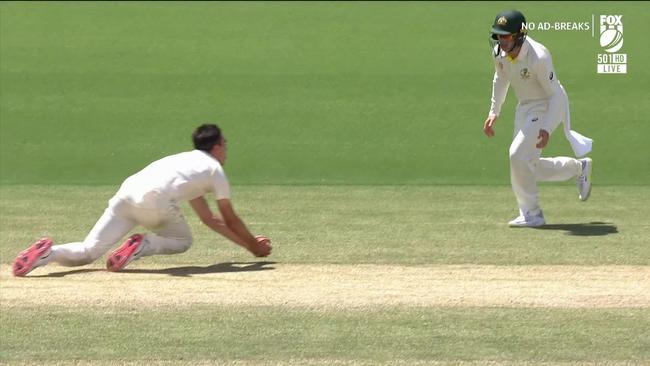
67, 273
185, 271
584, 229
227, 267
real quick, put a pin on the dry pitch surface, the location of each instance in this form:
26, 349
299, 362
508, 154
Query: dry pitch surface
332, 286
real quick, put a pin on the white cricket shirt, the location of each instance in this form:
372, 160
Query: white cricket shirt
180, 177
531, 75
533, 78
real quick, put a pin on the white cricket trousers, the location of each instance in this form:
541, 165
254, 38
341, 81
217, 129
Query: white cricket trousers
527, 167
169, 234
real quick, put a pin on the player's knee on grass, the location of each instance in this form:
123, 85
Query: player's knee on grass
155, 244
182, 245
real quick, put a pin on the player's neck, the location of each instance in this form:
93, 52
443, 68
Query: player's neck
514, 52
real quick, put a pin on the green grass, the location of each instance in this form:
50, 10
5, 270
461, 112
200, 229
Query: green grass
355, 137
277, 334
377, 224
314, 93
347, 224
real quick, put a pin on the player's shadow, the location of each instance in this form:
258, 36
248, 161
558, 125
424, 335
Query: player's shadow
185, 271
67, 273
584, 229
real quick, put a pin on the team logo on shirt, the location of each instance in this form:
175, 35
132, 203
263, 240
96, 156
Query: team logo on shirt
525, 75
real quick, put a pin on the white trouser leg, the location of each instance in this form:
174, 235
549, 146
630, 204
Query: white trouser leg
557, 169
108, 230
522, 171
170, 233
526, 166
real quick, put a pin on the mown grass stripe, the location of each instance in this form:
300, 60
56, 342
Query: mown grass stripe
282, 334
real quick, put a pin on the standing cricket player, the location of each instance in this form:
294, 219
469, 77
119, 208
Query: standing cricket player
527, 66
150, 198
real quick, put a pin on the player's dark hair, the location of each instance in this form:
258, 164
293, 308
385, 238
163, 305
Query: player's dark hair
206, 136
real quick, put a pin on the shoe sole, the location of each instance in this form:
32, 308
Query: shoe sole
122, 256
24, 262
590, 163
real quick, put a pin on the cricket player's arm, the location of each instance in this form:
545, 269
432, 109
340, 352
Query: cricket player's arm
230, 225
202, 209
547, 79
500, 85
260, 246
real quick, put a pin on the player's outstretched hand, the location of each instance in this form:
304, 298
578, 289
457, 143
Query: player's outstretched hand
487, 126
263, 246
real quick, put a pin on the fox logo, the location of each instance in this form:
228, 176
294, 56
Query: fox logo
611, 32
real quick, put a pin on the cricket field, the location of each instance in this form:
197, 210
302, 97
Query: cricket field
355, 143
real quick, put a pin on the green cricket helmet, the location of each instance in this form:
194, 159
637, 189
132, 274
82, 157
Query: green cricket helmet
508, 22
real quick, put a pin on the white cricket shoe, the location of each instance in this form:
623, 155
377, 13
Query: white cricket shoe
528, 220
584, 179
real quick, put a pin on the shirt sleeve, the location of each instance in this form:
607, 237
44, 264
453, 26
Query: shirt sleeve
500, 86
547, 79
221, 185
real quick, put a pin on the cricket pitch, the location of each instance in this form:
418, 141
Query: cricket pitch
331, 286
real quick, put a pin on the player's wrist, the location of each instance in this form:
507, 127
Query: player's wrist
251, 244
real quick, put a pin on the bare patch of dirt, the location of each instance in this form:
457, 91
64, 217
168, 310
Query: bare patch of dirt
331, 286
